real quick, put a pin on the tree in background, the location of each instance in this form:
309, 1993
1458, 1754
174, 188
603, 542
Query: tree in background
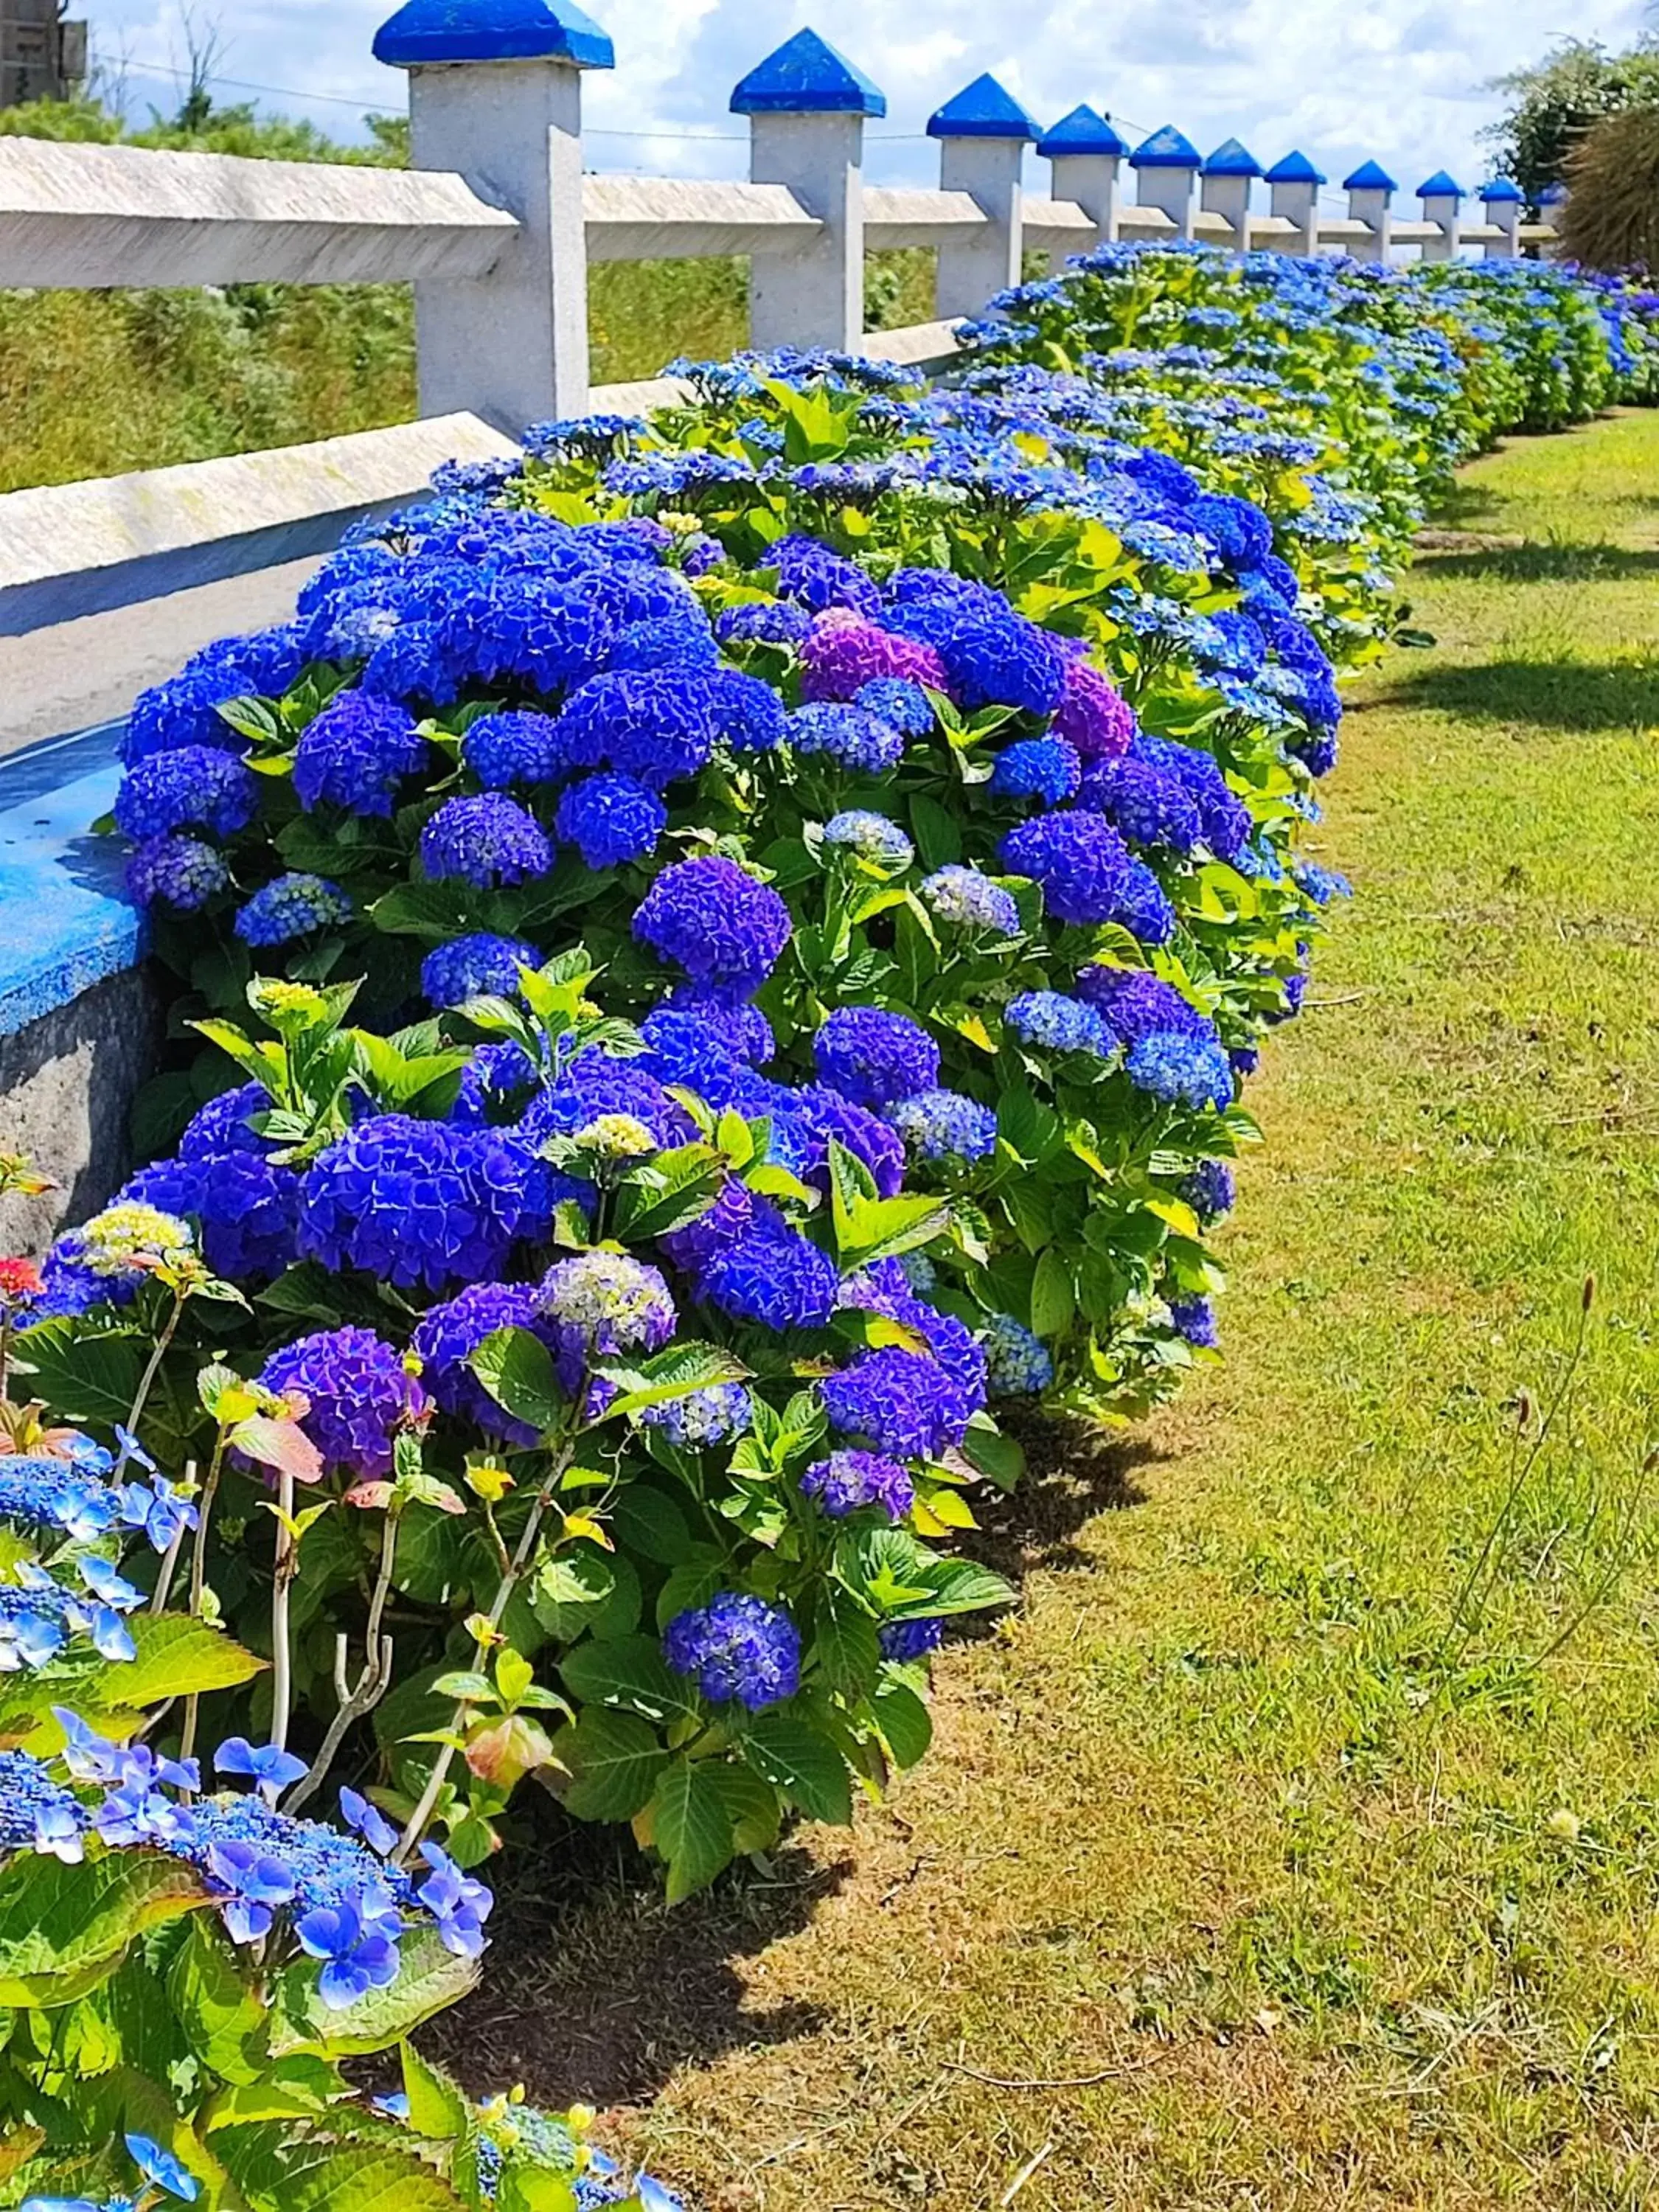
1554, 105
1611, 220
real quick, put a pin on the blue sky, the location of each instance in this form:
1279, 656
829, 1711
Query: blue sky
1341, 79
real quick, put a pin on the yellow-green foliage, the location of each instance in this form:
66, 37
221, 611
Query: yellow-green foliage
200, 373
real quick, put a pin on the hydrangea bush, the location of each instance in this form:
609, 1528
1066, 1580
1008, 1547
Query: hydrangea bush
713, 958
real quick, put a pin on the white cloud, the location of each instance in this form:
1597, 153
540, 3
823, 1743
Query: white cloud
1342, 81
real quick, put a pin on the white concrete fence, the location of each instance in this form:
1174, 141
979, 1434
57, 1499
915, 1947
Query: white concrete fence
496, 226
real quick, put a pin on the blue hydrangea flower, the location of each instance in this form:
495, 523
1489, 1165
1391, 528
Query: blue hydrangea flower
248, 1209
738, 1650
852, 735
177, 872
415, 1203
356, 753
872, 837
1017, 1364
658, 726
1241, 533
458, 1906
1210, 1190
1059, 1023
225, 1125
719, 1415
713, 920
1145, 804
903, 1403
815, 576
779, 1279
680, 641
848, 1481
611, 820
504, 751
1045, 768
943, 1125
361, 1395
197, 787
906, 1642
1080, 861
748, 715
1194, 1319
1134, 1005
875, 1058
485, 841
38, 1814
1181, 1071
764, 621
969, 900
294, 906
895, 700
476, 966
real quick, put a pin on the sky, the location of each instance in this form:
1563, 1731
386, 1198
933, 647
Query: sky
1342, 80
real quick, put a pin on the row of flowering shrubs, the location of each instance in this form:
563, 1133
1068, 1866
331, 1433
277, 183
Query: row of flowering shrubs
707, 963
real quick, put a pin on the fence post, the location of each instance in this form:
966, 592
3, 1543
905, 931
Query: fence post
1551, 202
1166, 167
1296, 183
982, 133
495, 94
806, 107
1442, 198
1226, 191
1085, 155
1370, 189
1503, 201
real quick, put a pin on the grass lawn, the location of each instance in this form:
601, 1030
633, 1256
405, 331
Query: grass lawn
1296, 1844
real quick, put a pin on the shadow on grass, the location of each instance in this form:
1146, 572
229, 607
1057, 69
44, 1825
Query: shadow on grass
1548, 563
596, 1992
1583, 696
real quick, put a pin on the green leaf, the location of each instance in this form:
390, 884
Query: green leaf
904, 1722
681, 1185
614, 1759
85, 1375
220, 2013
525, 2188
277, 2170
1000, 1458
60, 1924
429, 1980
1054, 1295
650, 1526
847, 1646
179, 1658
629, 1673
677, 1373
756, 1815
440, 2110
690, 1826
805, 1765
517, 1370
692, 1583
433, 912
937, 833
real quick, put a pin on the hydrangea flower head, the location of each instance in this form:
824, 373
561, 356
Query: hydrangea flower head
902, 1403
133, 1239
713, 918
421, 1202
848, 1481
1183, 1071
943, 1125
177, 872
611, 820
844, 658
476, 966
611, 1303
507, 750
875, 1058
872, 837
485, 840
1194, 1319
850, 734
293, 906
356, 753
779, 1279
969, 900
360, 1394
1093, 716
447, 1338
1078, 859
1059, 1023
738, 1650
718, 1415
199, 786
1044, 769
907, 1642
1017, 1364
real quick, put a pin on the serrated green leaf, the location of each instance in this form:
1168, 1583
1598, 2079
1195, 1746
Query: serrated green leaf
277, 2170
846, 1647
904, 1722
86, 1375
221, 2015
631, 1674
613, 1759
805, 1765
517, 1370
753, 1804
429, 1980
179, 1658
690, 1826
677, 1373
1054, 1295
60, 1924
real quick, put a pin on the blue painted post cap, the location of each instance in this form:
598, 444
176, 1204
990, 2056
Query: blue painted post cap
1082, 132
1166, 149
1552, 196
1295, 169
1232, 158
424, 32
1369, 177
807, 76
1440, 186
1503, 192
983, 110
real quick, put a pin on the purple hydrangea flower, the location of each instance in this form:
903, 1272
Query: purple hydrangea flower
903, 1403
1094, 717
906, 1642
1211, 1190
875, 1058
843, 658
360, 1393
848, 1481
224, 1125
199, 786
1194, 1319
1078, 859
445, 1341
177, 872
656, 725
713, 920
777, 1279
476, 966
421, 1203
